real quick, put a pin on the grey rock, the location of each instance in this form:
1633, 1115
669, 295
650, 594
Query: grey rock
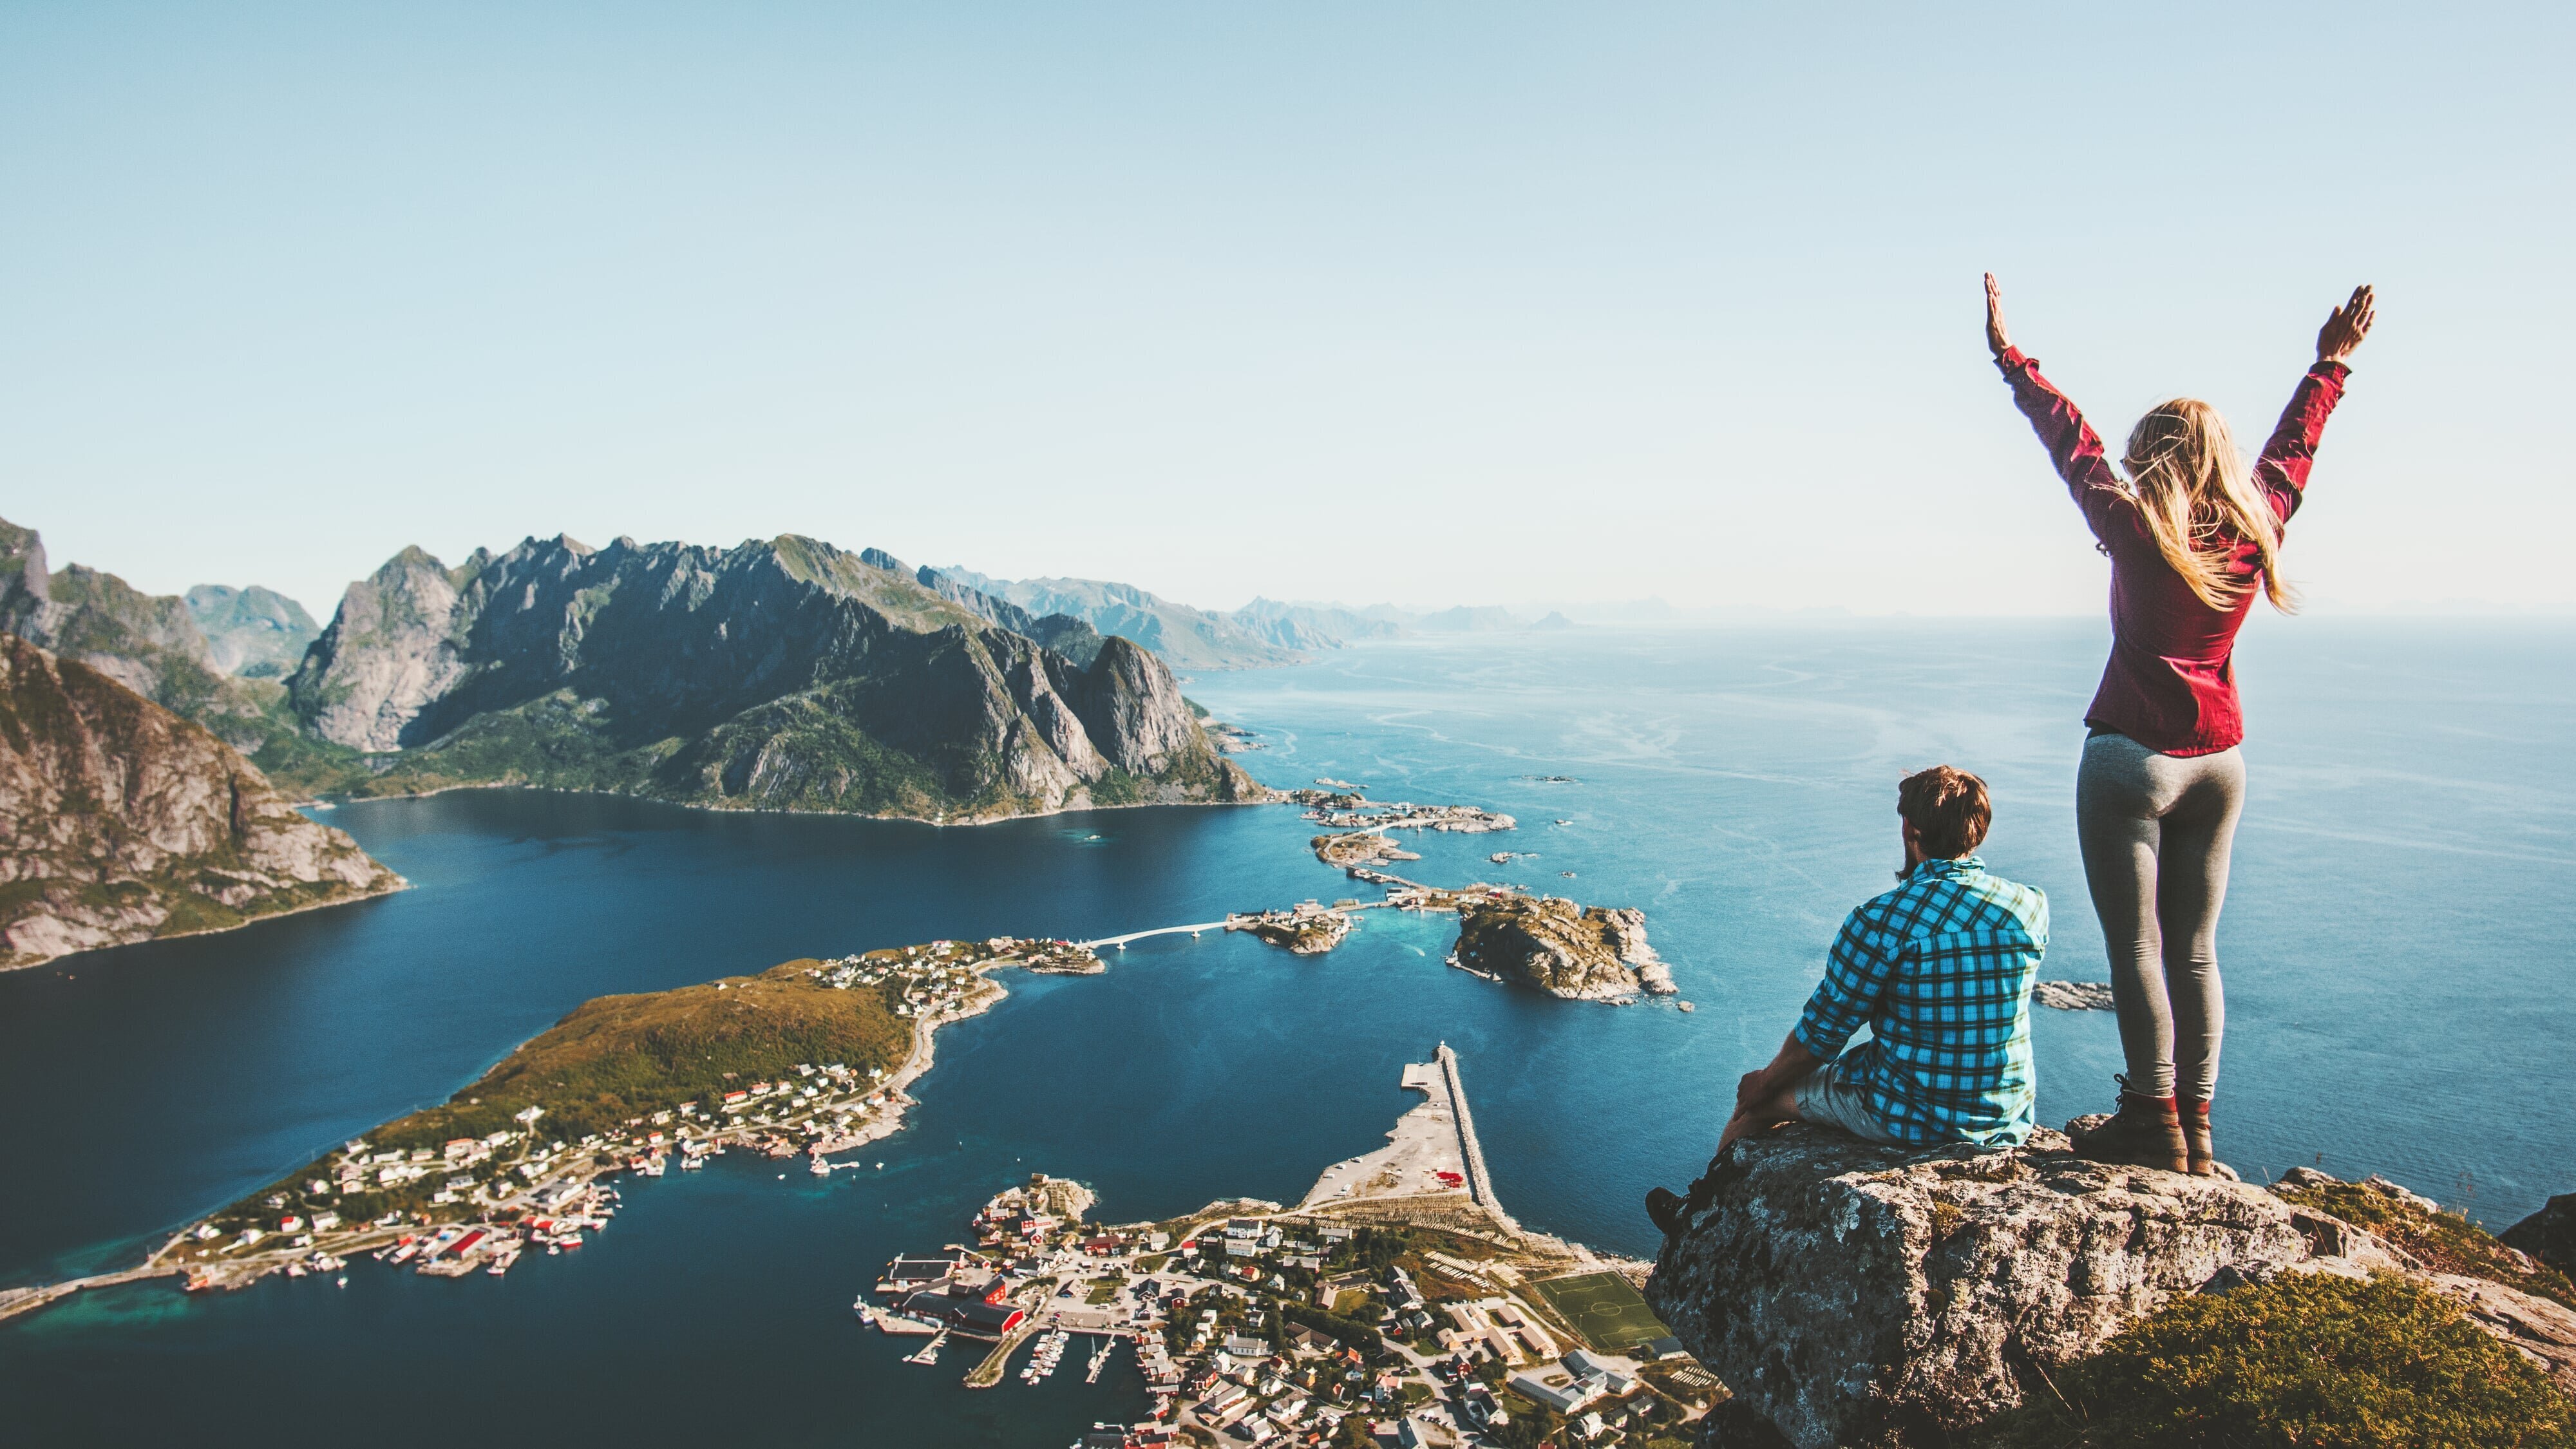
2411, 1198
2073, 995
1876, 1296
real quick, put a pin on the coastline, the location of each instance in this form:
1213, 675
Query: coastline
1272, 797
401, 883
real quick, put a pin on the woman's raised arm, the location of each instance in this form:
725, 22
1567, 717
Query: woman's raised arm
2291, 453
2072, 445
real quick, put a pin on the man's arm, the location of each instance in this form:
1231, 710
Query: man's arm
1761, 1098
1857, 973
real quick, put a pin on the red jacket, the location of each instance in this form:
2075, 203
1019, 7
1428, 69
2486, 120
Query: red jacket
2171, 680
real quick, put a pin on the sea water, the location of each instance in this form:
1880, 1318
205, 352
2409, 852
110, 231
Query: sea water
2396, 948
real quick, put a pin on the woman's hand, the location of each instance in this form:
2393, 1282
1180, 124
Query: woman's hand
2336, 340
1996, 339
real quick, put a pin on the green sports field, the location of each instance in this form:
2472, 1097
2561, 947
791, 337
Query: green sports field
1605, 1309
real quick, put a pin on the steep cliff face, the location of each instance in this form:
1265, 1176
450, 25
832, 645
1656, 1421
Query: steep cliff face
784, 674
120, 821
1886, 1298
1592, 953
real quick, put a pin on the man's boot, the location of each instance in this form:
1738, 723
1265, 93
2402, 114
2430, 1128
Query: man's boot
2195, 1137
2145, 1132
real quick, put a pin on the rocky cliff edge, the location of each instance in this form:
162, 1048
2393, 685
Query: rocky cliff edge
1853, 1295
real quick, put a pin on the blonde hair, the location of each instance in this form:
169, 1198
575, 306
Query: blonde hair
2197, 497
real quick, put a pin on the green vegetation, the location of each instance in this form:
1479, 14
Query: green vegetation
2443, 1241
1350, 1332
1605, 1309
616, 1057
2306, 1360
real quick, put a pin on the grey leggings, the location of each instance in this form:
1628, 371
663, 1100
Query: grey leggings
2156, 831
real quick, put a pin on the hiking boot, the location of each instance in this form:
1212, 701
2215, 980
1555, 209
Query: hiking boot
1667, 1209
2145, 1132
2195, 1138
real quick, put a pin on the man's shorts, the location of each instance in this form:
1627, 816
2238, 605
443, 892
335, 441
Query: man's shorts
1827, 1097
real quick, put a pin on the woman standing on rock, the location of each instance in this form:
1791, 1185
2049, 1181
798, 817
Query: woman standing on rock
2193, 535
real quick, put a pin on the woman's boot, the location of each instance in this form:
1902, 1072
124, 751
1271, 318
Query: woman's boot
2195, 1137
2145, 1132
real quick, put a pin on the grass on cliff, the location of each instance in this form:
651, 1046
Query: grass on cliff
2307, 1360
2442, 1241
617, 1057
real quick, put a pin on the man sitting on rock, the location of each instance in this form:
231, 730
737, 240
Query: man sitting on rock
1940, 970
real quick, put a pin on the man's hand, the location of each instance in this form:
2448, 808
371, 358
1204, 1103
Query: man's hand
2343, 330
1750, 1088
1997, 340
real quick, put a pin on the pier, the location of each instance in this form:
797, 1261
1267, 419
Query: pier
1480, 1185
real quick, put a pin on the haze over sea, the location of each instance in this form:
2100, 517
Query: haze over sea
2396, 946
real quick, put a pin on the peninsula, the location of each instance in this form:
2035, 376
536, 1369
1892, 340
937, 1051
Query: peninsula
810, 1056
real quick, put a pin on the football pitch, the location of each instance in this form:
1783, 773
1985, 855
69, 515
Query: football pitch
1605, 1309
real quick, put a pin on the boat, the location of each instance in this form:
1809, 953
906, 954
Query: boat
928, 1353
1043, 1360
1100, 1359
820, 1168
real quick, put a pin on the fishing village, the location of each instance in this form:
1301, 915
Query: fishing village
1396, 1303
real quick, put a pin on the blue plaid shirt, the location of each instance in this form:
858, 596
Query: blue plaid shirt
1939, 969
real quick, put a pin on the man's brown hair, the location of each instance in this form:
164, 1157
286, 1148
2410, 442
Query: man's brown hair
1948, 809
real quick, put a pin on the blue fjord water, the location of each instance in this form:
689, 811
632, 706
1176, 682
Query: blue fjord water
2396, 942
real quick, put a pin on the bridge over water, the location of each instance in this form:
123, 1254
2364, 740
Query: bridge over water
1121, 941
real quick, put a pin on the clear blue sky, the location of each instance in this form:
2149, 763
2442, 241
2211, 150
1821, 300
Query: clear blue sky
1448, 303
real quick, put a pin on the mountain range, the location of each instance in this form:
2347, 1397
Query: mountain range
1263, 632
783, 674
778, 674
